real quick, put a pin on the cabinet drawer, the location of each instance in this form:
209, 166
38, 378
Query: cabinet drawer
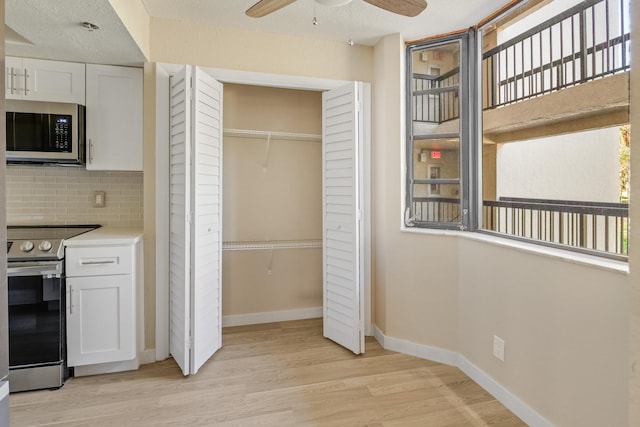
99, 261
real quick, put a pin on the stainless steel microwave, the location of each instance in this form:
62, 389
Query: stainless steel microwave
45, 132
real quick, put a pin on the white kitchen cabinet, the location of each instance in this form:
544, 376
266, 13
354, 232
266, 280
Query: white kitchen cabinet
101, 303
42, 80
114, 118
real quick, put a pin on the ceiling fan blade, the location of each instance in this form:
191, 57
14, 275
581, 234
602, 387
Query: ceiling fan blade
401, 7
265, 7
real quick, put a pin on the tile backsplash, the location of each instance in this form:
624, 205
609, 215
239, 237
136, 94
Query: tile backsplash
38, 194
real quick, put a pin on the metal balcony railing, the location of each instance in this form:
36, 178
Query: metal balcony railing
435, 98
584, 43
591, 227
436, 209
589, 41
582, 226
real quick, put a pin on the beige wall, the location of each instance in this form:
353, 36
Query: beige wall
135, 18
282, 203
450, 292
564, 326
192, 43
634, 249
427, 286
149, 212
415, 276
187, 43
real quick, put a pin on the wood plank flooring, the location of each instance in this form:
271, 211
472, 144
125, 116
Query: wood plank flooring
278, 374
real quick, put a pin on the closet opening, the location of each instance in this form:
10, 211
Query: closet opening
294, 233
272, 204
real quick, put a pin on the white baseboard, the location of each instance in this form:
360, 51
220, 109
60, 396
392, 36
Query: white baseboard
503, 395
106, 368
435, 354
271, 316
448, 357
147, 356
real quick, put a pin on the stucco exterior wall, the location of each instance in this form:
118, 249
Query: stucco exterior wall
581, 166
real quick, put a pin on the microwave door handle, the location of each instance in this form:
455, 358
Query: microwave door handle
90, 151
11, 80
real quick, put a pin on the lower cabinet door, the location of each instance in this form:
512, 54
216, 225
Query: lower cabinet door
100, 319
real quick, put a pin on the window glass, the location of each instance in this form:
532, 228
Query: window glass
437, 135
555, 126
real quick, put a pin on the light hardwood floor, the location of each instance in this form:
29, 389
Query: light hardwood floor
278, 374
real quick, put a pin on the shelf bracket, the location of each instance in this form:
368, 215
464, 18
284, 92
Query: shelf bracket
266, 153
270, 262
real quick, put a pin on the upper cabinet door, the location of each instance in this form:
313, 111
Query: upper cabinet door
40, 80
114, 118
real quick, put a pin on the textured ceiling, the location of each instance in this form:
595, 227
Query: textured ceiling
52, 29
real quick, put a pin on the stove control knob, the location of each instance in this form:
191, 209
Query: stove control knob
45, 246
26, 246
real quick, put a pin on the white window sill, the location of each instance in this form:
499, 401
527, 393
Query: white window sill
565, 255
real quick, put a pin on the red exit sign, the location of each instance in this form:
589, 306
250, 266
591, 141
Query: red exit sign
435, 154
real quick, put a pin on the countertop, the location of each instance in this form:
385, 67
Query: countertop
106, 236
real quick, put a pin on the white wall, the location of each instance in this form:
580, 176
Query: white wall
579, 166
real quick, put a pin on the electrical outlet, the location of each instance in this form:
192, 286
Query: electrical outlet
498, 347
99, 199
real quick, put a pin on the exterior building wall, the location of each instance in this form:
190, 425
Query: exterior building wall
581, 166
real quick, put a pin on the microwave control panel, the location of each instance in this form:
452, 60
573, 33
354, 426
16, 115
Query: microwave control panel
62, 132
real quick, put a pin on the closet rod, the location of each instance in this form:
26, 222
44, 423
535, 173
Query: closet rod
271, 244
250, 133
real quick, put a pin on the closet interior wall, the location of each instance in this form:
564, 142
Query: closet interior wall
272, 201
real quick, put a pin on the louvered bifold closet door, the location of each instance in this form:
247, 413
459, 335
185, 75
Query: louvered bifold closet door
179, 227
207, 218
341, 175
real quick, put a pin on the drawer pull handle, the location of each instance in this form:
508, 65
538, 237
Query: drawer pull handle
102, 262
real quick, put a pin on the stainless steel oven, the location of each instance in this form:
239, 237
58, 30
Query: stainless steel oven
36, 290
36, 325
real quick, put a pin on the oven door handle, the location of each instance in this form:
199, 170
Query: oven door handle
52, 269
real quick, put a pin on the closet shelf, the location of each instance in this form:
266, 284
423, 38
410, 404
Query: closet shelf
271, 244
249, 133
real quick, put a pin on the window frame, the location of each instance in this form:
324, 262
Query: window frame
470, 109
